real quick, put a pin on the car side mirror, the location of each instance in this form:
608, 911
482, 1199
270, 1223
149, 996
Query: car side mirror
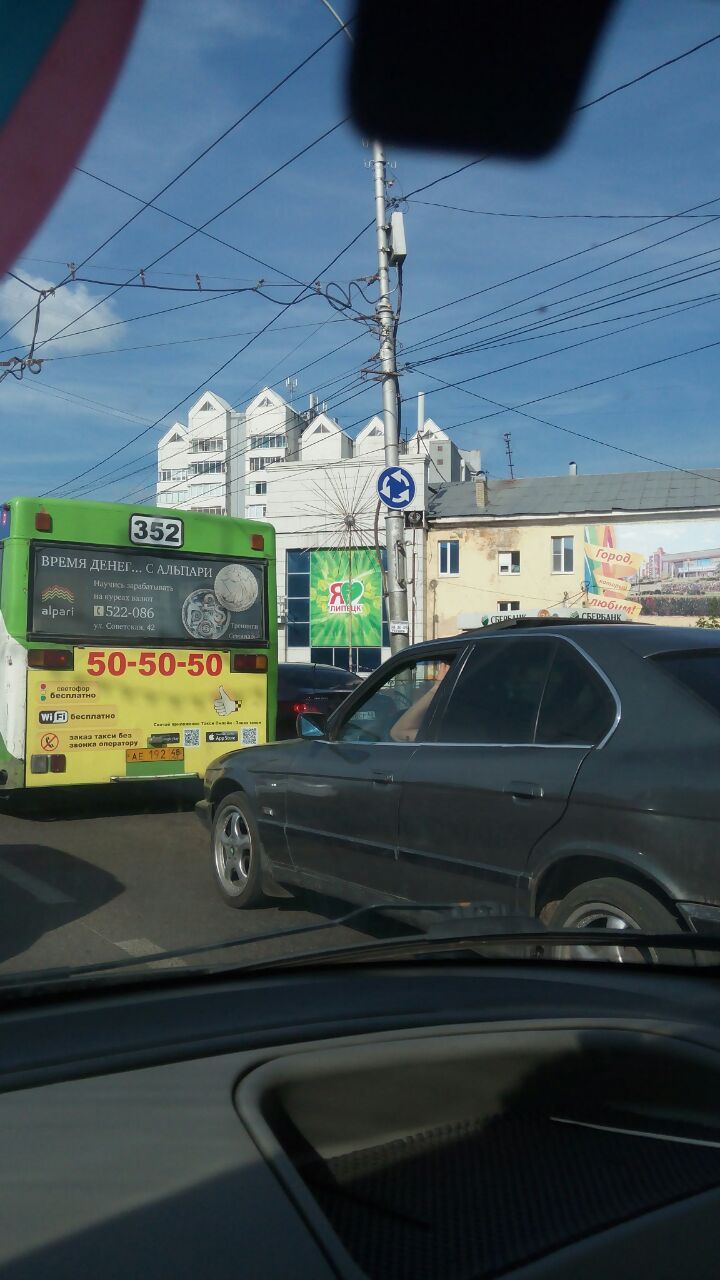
311, 724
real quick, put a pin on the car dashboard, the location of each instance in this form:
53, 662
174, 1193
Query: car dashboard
451, 1120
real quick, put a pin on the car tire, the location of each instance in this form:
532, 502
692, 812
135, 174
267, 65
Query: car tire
235, 853
612, 903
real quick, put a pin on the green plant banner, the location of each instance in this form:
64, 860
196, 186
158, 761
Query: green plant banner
345, 598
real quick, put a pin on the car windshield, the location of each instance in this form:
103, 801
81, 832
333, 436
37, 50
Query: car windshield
360, 511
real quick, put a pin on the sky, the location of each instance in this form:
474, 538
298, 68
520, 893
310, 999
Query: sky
554, 349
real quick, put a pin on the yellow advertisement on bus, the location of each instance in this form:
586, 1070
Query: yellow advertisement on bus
125, 713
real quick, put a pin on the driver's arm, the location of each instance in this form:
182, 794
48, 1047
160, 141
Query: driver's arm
405, 729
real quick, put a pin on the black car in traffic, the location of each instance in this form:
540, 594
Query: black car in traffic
309, 688
568, 770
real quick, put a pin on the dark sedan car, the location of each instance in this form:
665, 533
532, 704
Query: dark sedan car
310, 688
567, 771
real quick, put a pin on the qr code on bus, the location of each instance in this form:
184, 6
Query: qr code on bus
249, 737
191, 737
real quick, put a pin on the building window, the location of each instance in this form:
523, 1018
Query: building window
508, 606
259, 464
207, 468
448, 558
213, 444
176, 497
207, 407
562, 555
508, 561
165, 475
261, 487
268, 442
210, 511
255, 511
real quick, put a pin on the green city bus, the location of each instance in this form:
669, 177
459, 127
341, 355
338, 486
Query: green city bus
134, 642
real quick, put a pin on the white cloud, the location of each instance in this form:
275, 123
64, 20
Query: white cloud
56, 311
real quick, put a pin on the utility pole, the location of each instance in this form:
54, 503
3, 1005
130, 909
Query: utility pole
397, 605
396, 576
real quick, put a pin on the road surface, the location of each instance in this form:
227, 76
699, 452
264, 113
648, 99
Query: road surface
95, 878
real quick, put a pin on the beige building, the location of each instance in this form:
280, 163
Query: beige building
574, 543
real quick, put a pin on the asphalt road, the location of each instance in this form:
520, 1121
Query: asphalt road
111, 875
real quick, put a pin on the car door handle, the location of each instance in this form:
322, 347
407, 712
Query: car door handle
382, 779
525, 790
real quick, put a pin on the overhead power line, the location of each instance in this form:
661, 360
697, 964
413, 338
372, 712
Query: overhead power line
233, 203
551, 217
542, 293
217, 371
279, 84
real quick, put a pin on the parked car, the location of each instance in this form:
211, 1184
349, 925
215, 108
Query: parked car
310, 688
566, 771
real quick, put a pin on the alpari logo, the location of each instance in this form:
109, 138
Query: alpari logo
345, 596
56, 592
53, 717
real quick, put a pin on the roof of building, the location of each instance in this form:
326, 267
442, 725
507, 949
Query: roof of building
210, 395
574, 495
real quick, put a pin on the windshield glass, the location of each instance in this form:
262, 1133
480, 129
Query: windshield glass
360, 523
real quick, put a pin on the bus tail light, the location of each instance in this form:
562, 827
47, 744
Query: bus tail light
257, 542
304, 709
48, 764
51, 659
43, 522
249, 662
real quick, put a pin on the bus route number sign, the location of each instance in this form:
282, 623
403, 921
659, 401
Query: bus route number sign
156, 531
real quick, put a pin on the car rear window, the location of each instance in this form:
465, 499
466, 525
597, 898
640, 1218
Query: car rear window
335, 678
699, 671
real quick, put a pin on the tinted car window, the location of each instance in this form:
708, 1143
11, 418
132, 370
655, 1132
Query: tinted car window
577, 706
397, 709
698, 671
292, 677
497, 697
334, 678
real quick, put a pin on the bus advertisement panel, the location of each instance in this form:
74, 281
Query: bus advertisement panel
145, 595
133, 713
131, 661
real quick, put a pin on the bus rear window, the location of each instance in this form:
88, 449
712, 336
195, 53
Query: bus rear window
81, 593
699, 671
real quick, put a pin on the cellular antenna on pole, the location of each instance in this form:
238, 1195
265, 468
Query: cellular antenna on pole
508, 450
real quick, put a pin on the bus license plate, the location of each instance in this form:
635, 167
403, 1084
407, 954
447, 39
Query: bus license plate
141, 755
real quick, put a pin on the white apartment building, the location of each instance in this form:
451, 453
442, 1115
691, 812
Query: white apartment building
192, 461
317, 487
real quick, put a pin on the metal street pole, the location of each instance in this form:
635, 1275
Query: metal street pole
396, 576
397, 605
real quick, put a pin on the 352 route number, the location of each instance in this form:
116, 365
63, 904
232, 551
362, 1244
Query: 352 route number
116, 663
158, 531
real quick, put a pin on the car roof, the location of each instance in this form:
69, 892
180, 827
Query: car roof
643, 638
304, 668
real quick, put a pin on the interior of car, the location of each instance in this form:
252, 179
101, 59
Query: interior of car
444, 1113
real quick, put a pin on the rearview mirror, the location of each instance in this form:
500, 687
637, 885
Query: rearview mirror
498, 77
311, 724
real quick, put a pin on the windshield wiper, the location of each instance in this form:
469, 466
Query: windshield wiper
454, 911
530, 944
464, 928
